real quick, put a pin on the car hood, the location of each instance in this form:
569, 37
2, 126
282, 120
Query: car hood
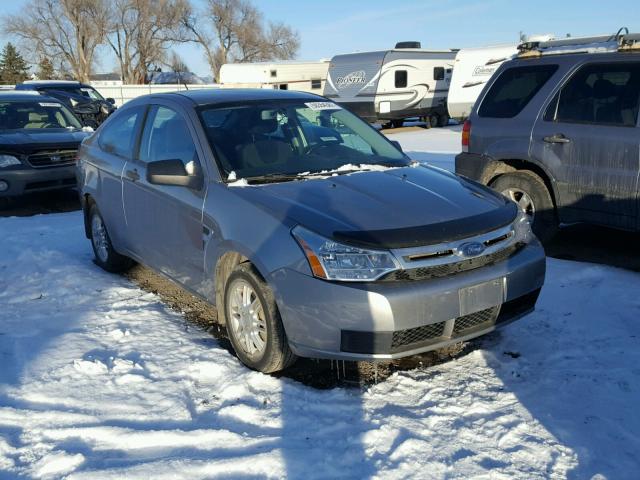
395, 208
25, 141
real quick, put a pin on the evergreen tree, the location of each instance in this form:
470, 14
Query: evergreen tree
45, 70
13, 68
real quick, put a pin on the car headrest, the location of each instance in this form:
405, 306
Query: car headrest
604, 89
263, 127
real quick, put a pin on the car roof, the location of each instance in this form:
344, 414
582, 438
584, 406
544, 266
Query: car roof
25, 96
35, 84
213, 96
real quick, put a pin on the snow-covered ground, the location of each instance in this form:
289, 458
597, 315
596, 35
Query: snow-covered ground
98, 379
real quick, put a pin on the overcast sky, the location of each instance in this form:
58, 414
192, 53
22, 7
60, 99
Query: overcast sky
329, 27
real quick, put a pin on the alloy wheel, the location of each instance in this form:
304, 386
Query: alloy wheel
246, 318
523, 199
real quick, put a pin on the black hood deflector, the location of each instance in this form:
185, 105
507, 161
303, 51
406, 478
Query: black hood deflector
448, 231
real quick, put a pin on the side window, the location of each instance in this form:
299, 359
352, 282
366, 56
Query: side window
167, 137
316, 84
514, 89
119, 135
438, 73
603, 94
401, 78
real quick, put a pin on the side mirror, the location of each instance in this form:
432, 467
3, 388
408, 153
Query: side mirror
397, 144
110, 100
173, 172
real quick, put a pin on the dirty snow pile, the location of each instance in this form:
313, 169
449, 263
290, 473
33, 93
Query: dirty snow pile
100, 380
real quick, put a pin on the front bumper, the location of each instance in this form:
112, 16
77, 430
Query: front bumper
24, 179
382, 321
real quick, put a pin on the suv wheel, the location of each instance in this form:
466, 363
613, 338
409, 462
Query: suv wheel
529, 191
105, 255
254, 325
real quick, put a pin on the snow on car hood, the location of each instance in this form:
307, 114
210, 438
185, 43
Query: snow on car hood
394, 208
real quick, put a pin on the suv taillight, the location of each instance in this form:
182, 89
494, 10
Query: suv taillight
466, 135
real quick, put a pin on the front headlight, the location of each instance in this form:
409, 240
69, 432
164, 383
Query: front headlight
335, 261
522, 227
8, 160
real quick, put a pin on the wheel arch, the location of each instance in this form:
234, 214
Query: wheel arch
496, 168
87, 201
225, 265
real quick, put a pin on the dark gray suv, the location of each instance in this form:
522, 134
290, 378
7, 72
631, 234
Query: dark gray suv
556, 130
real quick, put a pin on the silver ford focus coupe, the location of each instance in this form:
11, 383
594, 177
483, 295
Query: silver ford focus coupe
312, 233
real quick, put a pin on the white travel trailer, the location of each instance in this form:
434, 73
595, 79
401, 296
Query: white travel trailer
472, 70
391, 85
301, 76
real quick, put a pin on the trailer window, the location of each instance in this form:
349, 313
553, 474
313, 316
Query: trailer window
401, 78
274, 73
316, 84
283, 86
438, 73
514, 89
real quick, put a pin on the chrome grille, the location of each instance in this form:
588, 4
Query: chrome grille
423, 273
52, 158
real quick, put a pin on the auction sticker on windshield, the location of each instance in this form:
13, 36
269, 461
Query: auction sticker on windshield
317, 106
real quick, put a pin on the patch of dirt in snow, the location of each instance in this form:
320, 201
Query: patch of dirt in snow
314, 373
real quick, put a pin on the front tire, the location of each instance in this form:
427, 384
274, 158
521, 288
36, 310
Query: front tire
529, 191
253, 322
105, 255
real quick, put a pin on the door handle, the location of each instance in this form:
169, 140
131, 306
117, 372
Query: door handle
132, 175
557, 138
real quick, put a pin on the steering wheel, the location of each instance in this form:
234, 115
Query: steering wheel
316, 146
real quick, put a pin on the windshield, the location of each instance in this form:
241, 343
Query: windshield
282, 138
88, 92
36, 116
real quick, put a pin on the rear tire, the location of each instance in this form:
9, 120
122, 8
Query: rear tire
253, 322
434, 120
530, 192
443, 120
105, 255
397, 123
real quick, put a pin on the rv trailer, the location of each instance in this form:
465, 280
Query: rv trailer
392, 85
301, 76
472, 70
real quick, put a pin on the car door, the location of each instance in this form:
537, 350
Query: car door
165, 221
116, 142
588, 137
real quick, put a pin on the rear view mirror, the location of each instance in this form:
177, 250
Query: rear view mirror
397, 144
173, 172
110, 100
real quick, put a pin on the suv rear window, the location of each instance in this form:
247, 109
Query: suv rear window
514, 89
602, 94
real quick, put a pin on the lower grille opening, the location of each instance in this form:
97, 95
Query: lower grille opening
417, 335
474, 320
50, 184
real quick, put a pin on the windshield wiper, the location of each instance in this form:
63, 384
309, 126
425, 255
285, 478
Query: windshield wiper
273, 177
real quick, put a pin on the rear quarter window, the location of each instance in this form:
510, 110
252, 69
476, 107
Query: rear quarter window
514, 89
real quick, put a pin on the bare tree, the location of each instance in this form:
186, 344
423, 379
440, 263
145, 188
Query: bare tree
177, 64
66, 31
235, 30
141, 32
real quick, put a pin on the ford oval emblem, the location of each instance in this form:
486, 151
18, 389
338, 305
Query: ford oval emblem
470, 249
